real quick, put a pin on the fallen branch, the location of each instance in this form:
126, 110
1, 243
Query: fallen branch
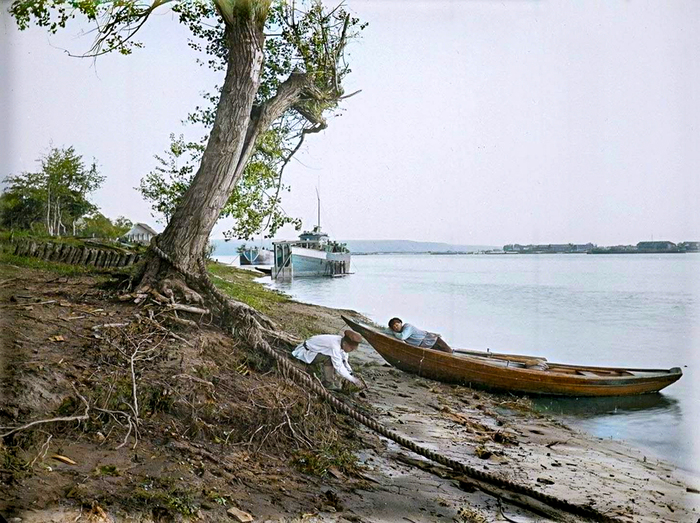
53, 420
108, 325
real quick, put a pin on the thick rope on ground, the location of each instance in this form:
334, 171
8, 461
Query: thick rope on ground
251, 327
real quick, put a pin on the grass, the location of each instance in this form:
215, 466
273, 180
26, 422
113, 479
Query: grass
8, 262
317, 462
241, 286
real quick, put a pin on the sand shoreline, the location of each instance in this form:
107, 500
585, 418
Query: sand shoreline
615, 476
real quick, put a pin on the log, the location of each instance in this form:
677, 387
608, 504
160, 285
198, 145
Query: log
84, 256
92, 257
47, 251
66, 253
56, 254
75, 257
41, 248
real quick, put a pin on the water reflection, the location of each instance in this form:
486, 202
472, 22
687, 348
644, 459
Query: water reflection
635, 419
583, 408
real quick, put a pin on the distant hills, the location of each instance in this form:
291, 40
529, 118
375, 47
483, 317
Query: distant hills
224, 248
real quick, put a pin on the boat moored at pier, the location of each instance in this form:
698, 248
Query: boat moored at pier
313, 254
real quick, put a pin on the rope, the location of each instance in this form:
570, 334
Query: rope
302, 378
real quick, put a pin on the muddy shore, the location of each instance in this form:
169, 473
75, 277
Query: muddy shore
617, 478
500, 434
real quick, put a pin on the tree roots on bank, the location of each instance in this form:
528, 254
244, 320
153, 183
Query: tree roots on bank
149, 379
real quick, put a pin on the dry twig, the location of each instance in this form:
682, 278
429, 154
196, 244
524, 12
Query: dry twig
83, 417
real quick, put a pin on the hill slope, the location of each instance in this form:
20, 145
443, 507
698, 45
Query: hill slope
224, 248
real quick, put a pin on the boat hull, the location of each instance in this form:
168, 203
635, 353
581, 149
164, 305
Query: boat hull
310, 262
488, 372
255, 257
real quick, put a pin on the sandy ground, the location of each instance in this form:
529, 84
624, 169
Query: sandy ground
539, 451
496, 433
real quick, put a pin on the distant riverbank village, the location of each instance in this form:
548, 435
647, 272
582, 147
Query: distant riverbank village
641, 247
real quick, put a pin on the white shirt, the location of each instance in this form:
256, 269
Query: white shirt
328, 344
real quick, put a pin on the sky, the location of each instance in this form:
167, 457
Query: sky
478, 122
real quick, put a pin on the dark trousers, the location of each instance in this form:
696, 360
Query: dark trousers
442, 346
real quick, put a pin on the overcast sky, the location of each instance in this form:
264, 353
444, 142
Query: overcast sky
479, 122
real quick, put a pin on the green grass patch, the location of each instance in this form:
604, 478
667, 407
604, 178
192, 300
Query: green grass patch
241, 286
317, 462
65, 269
163, 493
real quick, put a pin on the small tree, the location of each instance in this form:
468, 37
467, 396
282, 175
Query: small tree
56, 195
98, 225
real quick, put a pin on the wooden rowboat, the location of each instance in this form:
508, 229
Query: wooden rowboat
523, 374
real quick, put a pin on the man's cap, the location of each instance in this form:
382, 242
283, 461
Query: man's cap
352, 337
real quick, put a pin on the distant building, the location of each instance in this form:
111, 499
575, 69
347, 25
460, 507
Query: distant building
689, 246
656, 247
140, 233
549, 248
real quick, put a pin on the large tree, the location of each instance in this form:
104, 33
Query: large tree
283, 65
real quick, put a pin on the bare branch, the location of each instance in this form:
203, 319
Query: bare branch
83, 417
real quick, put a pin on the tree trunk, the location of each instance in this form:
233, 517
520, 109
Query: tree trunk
187, 234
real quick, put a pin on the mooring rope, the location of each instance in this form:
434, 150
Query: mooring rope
302, 378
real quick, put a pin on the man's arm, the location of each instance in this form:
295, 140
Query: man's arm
340, 368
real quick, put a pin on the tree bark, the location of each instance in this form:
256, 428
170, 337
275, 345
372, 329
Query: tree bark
187, 234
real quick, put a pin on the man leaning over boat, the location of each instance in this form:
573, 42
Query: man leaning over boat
417, 337
330, 353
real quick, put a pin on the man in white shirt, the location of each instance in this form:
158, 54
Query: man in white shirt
331, 353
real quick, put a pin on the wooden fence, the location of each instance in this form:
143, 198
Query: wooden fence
75, 254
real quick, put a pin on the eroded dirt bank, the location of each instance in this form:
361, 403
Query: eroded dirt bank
206, 464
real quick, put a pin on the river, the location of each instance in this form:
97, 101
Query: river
640, 310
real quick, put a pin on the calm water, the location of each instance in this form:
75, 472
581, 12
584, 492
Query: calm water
626, 310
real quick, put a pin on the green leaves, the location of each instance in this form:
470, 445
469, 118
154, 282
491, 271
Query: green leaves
255, 201
116, 21
57, 195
